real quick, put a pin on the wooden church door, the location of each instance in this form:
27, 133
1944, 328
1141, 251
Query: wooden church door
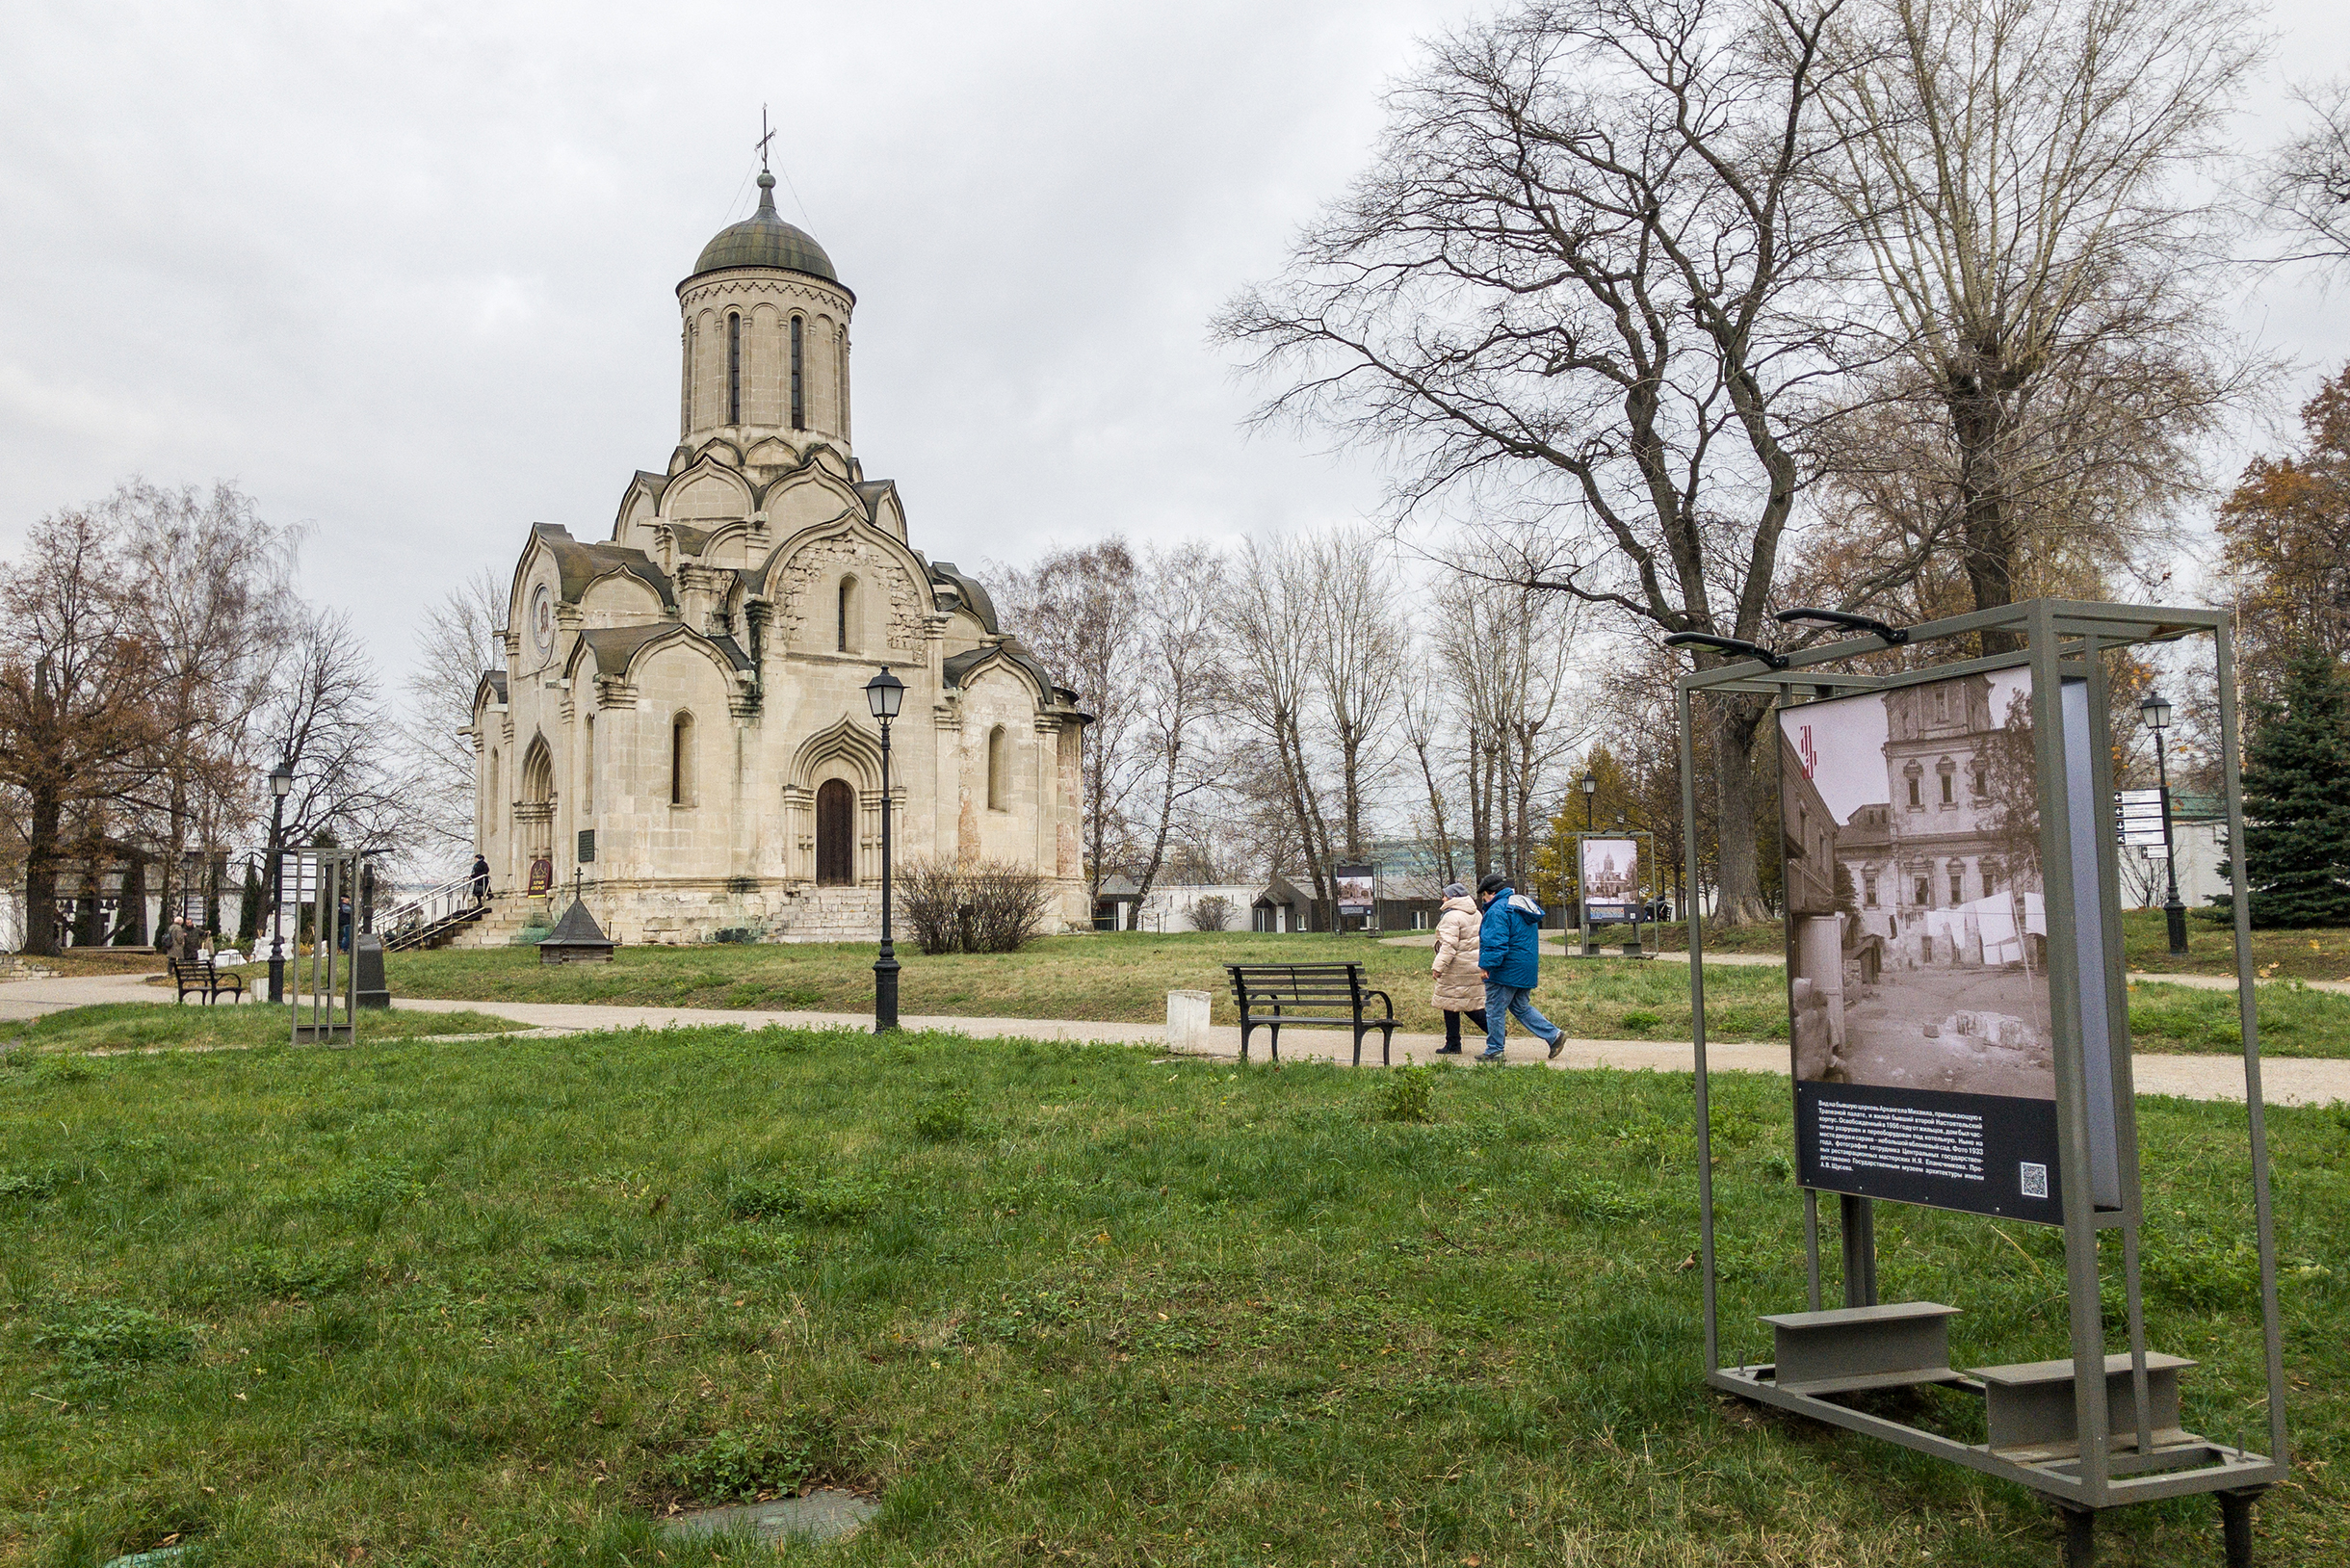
836, 833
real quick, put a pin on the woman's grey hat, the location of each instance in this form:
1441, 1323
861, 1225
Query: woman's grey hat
1457, 890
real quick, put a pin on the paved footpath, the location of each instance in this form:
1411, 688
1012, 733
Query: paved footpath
2284, 1080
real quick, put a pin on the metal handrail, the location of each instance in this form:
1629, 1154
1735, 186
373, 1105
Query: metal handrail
428, 909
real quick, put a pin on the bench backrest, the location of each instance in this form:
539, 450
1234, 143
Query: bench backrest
1295, 982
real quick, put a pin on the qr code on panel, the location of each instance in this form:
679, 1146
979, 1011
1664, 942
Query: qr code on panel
2035, 1179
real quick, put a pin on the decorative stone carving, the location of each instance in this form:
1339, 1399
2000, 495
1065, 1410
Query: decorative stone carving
821, 560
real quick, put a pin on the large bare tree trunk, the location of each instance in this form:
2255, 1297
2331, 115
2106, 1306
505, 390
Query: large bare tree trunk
1740, 795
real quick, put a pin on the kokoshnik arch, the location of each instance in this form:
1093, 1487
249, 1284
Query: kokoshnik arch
692, 688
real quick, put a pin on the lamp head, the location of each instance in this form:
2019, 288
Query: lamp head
885, 694
2155, 712
1591, 783
281, 780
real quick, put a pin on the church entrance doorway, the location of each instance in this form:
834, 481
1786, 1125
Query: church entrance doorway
836, 827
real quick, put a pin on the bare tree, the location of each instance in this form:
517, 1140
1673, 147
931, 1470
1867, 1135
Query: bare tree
1423, 712
456, 639
1575, 279
1180, 689
2014, 171
1357, 640
214, 583
1269, 620
1078, 610
78, 684
326, 717
1506, 650
2307, 192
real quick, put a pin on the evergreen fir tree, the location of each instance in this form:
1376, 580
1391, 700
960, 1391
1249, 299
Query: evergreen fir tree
249, 907
2297, 799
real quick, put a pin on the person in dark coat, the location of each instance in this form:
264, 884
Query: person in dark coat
480, 879
1510, 958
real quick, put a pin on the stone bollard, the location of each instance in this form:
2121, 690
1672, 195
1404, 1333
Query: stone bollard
1187, 1022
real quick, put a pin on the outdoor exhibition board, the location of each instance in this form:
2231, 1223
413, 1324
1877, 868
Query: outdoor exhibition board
1959, 1035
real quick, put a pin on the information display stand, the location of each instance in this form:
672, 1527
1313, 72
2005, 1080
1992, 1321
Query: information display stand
1610, 870
1960, 1038
322, 882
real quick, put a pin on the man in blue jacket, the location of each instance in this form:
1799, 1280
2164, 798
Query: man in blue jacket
1507, 946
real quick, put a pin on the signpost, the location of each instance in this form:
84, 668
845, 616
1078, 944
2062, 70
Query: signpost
1358, 892
1960, 1040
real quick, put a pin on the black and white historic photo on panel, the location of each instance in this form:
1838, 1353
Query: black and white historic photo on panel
1917, 934
1612, 875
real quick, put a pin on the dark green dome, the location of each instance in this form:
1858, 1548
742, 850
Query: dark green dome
765, 240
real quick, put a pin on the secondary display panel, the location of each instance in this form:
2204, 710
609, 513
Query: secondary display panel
1916, 947
1610, 879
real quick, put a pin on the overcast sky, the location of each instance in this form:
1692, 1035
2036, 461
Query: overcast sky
407, 272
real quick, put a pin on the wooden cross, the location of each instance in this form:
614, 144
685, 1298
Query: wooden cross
765, 137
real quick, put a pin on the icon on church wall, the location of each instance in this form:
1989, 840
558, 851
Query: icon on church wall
1611, 879
1916, 941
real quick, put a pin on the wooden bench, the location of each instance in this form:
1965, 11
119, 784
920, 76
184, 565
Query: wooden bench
1318, 996
199, 975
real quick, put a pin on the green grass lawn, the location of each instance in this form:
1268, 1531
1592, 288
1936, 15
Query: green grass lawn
504, 1303
2286, 955
142, 1026
1104, 978
2319, 953
1125, 978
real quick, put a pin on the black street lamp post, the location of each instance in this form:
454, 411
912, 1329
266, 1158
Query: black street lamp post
281, 785
1591, 787
885, 694
2157, 716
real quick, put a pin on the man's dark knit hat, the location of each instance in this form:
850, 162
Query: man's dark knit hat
1493, 884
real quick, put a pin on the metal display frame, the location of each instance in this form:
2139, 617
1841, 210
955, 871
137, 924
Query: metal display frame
327, 874
1582, 902
2145, 1455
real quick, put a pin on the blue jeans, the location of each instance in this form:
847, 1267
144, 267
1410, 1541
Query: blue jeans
1505, 1001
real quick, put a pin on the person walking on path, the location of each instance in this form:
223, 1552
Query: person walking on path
1508, 943
1460, 984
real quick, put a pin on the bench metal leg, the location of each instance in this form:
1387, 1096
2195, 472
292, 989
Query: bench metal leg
1387, 1046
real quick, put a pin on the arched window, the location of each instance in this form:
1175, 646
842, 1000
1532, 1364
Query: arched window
587, 773
840, 367
850, 641
681, 760
1949, 771
998, 771
800, 413
687, 422
1958, 882
734, 368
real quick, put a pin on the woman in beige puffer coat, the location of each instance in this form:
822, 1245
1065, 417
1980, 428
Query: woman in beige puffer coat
1460, 984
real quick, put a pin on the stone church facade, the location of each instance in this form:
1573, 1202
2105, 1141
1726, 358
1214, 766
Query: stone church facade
692, 688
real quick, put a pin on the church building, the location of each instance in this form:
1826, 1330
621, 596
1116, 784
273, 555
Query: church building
681, 717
